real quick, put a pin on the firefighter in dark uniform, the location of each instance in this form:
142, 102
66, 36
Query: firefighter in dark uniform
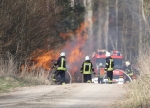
61, 68
109, 67
87, 69
129, 71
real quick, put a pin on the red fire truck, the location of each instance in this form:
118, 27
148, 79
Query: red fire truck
99, 59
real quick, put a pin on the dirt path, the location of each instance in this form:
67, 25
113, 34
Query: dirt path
64, 96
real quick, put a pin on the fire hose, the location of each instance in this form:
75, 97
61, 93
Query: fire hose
52, 72
122, 72
70, 77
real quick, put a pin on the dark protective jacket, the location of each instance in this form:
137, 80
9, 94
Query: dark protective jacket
128, 69
109, 64
87, 67
61, 63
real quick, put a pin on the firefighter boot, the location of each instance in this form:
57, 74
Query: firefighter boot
88, 81
63, 83
110, 82
54, 79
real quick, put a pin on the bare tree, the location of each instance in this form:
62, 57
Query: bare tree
107, 24
116, 24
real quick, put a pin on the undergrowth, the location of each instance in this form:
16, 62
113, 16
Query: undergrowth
12, 76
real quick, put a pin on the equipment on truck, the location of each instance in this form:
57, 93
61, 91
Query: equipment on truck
99, 59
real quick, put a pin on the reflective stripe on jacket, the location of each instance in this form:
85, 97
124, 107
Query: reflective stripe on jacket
109, 64
61, 65
87, 67
129, 70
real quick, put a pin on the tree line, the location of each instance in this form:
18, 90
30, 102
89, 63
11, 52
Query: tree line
27, 25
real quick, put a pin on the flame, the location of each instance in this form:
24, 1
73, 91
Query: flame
44, 60
73, 48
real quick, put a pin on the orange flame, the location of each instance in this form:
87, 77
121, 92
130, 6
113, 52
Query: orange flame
73, 48
44, 60
76, 54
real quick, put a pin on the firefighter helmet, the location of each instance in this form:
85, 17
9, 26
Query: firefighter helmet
127, 63
87, 58
107, 54
100, 64
62, 54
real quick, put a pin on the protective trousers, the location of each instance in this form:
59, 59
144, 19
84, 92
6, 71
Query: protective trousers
127, 78
62, 75
110, 76
100, 80
87, 77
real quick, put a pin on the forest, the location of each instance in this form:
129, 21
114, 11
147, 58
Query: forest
48, 25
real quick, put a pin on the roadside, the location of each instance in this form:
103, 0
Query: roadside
77, 95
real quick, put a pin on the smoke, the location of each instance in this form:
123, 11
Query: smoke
103, 28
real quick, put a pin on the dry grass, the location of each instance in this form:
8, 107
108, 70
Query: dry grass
8, 67
11, 76
139, 91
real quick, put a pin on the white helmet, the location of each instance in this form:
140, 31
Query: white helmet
107, 54
100, 64
62, 54
127, 63
87, 58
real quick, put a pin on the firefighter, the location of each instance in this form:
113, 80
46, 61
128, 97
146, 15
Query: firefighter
109, 67
128, 69
61, 68
87, 69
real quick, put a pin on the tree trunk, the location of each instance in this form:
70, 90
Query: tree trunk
72, 3
116, 25
124, 30
107, 24
146, 24
140, 27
